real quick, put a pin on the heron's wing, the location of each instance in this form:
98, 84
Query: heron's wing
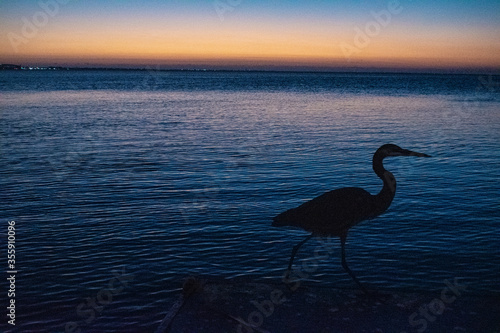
332, 213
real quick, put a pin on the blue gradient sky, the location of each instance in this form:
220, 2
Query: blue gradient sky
252, 34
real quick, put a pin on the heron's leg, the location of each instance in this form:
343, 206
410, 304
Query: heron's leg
294, 251
344, 264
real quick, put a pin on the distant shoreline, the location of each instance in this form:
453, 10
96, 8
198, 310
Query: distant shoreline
14, 67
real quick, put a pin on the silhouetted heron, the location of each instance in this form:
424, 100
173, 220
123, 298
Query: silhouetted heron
334, 213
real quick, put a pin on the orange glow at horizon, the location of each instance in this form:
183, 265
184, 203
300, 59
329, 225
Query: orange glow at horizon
248, 43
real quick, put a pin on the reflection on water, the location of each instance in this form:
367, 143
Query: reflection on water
181, 175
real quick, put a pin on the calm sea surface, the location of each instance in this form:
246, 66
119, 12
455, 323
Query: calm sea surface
156, 176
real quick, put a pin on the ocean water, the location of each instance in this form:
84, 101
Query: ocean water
156, 176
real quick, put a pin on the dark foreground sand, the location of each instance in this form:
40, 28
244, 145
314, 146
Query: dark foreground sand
221, 306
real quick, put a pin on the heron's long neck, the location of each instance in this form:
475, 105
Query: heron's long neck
384, 198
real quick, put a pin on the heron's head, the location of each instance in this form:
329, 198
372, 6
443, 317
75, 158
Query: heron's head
393, 150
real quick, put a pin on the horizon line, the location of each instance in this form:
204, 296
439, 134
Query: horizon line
276, 68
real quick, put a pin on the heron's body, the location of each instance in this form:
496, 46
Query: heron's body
334, 213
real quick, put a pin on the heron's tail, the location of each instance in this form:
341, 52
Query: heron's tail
284, 219
277, 222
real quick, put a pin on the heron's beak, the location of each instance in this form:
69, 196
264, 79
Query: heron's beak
407, 152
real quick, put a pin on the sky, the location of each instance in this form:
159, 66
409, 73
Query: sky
244, 34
